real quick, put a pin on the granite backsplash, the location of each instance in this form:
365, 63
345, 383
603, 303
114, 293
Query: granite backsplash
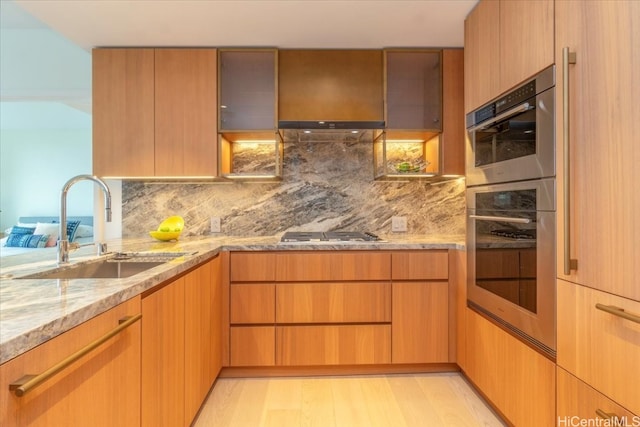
325, 186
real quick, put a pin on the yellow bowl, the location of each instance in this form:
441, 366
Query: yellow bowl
165, 236
172, 224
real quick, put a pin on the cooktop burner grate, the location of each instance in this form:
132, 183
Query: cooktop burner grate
328, 236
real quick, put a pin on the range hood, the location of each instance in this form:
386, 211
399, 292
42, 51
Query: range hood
330, 131
330, 125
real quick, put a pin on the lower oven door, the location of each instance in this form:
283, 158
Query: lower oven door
511, 231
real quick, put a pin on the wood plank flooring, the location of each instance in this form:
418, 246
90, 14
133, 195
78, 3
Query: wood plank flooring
425, 400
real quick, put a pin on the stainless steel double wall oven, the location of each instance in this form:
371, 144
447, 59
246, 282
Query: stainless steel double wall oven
511, 211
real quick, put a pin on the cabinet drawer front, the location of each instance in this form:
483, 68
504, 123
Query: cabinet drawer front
252, 267
101, 388
356, 265
333, 302
578, 401
252, 346
252, 303
422, 265
600, 348
333, 345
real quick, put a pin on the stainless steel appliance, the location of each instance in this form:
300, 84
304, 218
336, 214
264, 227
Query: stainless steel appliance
511, 229
328, 236
512, 138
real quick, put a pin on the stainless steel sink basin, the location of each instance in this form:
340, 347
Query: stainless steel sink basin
115, 267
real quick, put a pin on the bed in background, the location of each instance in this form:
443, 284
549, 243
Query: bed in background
83, 233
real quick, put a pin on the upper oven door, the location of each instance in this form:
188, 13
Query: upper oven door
517, 144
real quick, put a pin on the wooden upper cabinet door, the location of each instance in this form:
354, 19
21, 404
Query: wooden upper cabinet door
604, 125
123, 116
526, 40
453, 125
481, 54
186, 112
330, 85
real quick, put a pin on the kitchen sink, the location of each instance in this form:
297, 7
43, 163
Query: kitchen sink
119, 266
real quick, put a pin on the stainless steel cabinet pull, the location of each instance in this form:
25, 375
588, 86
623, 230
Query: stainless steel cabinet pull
29, 382
501, 219
617, 311
606, 415
567, 58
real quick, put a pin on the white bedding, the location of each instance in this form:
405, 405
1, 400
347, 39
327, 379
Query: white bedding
5, 251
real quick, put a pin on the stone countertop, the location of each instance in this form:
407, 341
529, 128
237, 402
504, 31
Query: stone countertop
33, 311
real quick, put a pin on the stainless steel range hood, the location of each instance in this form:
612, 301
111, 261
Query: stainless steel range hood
330, 131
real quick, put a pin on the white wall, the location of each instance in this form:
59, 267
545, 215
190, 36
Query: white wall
35, 164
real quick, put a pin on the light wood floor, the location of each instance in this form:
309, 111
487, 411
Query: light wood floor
425, 400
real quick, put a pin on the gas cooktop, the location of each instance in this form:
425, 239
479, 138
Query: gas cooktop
328, 236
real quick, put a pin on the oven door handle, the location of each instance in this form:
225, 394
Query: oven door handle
517, 110
501, 219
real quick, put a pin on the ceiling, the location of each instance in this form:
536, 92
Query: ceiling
280, 23
45, 45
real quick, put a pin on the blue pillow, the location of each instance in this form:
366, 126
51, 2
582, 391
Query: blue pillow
26, 240
72, 229
16, 229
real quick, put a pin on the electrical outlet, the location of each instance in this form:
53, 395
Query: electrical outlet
215, 224
398, 223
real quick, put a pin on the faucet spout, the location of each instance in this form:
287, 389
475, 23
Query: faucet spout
63, 244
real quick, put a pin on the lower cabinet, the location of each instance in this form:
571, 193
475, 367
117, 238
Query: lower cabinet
101, 388
599, 341
180, 354
518, 380
321, 308
581, 405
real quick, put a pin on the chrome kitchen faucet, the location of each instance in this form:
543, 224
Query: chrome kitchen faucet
63, 244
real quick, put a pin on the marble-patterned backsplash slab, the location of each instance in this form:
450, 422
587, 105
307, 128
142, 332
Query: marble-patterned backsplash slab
325, 186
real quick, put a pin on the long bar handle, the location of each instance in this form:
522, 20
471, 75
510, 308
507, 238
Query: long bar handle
29, 382
501, 219
617, 311
567, 58
519, 109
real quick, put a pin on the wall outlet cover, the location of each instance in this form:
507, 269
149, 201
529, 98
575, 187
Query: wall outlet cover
215, 224
398, 224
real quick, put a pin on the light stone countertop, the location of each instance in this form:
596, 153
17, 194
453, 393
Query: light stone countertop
33, 311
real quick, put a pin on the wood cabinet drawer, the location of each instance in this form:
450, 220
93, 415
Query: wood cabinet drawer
252, 267
252, 346
578, 402
252, 303
333, 345
333, 302
599, 348
420, 265
319, 266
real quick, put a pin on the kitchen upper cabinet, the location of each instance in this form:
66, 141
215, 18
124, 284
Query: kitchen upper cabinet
154, 113
101, 388
506, 42
247, 89
425, 130
604, 156
123, 112
335, 85
185, 113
